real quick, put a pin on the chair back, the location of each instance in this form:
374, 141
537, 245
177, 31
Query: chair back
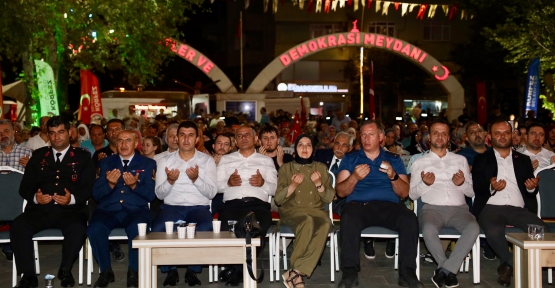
12, 203
546, 195
418, 206
329, 206
288, 150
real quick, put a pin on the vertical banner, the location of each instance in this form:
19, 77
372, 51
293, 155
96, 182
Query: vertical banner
90, 104
372, 106
303, 113
296, 129
47, 89
1, 96
533, 86
482, 109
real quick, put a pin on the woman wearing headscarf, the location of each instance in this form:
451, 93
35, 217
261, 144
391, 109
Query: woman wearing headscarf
414, 146
304, 188
83, 132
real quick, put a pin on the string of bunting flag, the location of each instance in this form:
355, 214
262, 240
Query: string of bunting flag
325, 6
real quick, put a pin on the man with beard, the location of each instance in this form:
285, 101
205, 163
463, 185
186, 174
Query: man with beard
222, 146
73, 136
41, 139
171, 141
535, 137
12, 155
123, 189
506, 191
186, 181
443, 180
477, 139
269, 141
57, 183
246, 178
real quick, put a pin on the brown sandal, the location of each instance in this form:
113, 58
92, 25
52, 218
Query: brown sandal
289, 281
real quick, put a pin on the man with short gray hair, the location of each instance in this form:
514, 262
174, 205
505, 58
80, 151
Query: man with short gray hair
171, 140
13, 154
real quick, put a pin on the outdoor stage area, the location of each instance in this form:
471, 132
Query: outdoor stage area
377, 273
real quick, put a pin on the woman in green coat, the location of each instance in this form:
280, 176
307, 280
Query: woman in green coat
303, 190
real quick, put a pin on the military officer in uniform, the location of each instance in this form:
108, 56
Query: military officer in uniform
123, 189
57, 183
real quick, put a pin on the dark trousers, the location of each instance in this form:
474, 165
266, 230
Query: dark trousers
191, 214
493, 219
103, 222
237, 209
393, 216
72, 222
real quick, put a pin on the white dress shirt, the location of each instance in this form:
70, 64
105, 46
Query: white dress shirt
246, 167
162, 155
184, 192
543, 157
511, 194
36, 142
443, 191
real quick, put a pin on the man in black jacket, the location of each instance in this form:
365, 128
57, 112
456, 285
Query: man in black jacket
57, 183
505, 190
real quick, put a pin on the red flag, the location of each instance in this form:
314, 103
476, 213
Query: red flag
303, 114
372, 106
1, 96
482, 102
296, 130
369, 4
90, 105
350, 2
239, 30
453, 11
422, 11
396, 5
310, 4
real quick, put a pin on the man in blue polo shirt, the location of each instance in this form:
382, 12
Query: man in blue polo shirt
373, 180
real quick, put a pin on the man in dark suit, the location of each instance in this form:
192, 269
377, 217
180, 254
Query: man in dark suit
505, 190
57, 183
123, 189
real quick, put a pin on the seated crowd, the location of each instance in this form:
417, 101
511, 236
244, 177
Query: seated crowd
88, 180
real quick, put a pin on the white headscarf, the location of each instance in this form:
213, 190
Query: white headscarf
84, 137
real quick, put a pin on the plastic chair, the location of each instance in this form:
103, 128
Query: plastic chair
452, 233
116, 234
288, 150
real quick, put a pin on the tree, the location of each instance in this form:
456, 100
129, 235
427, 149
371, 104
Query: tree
101, 35
525, 29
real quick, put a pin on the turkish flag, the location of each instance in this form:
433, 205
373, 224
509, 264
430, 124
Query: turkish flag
90, 104
296, 129
482, 102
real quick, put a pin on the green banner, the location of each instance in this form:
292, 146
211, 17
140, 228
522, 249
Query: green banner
47, 89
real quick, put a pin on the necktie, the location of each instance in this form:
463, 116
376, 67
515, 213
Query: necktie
58, 161
125, 165
335, 168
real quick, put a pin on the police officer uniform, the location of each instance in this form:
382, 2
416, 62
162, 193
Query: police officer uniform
73, 171
121, 207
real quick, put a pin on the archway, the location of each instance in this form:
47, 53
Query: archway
203, 63
397, 46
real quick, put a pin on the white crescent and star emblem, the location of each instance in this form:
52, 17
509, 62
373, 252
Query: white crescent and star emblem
445, 73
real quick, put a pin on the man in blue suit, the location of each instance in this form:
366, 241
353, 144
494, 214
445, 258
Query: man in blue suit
123, 189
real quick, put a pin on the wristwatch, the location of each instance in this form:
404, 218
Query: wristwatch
395, 177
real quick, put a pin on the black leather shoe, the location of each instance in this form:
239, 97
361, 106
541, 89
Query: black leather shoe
348, 280
439, 278
236, 279
191, 278
28, 281
390, 249
226, 274
66, 278
105, 278
172, 278
132, 278
410, 280
505, 273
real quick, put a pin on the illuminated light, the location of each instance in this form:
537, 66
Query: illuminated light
445, 73
328, 118
347, 115
365, 118
342, 90
150, 107
282, 87
111, 31
121, 89
398, 118
222, 118
424, 114
65, 15
90, 15
247, 107
321, 103
343, 95
512, 117
126, 35
93, 34
516, 125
